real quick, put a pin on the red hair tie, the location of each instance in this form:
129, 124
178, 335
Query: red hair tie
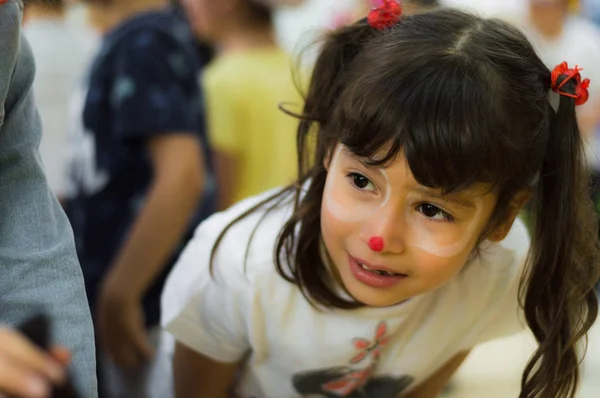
581, 86
385, 16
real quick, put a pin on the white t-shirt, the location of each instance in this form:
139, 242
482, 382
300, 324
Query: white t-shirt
61, 55
297, 350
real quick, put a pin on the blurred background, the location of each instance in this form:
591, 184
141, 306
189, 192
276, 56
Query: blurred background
71, 41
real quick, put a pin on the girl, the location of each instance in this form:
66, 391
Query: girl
398, 250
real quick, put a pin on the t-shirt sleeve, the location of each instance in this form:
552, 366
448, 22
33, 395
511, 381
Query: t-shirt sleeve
223, 114
208, 313
152, 92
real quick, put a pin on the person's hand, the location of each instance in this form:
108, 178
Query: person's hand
25, 370
121, 325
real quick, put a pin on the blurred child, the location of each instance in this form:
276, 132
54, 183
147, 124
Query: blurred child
139, 179
245, 84
61, 55
398, 250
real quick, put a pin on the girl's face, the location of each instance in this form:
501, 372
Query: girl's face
390, 238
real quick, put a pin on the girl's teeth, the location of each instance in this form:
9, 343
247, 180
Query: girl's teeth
383, 273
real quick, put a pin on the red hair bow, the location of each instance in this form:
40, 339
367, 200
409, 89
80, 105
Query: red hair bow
581, 86
385, 16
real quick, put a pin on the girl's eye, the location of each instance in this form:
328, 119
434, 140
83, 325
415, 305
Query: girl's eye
434, 213
361, 182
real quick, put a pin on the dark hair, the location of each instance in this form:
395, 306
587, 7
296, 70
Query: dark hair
466, 99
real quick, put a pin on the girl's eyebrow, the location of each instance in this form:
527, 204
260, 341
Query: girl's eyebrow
363, 161
454, 198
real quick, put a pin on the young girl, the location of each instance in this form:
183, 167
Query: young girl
398, 250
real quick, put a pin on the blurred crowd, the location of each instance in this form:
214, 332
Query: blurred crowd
157, 114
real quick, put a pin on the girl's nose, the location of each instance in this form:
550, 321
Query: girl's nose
383, 233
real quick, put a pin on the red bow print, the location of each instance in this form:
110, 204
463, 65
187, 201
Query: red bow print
355, 380
371, 347
385, 16
581, 89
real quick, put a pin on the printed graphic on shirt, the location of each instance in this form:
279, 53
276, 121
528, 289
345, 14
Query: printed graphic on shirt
356, 380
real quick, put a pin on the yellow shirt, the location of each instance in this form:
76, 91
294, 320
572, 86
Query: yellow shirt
243, 94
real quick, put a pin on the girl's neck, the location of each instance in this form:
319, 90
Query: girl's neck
106, 18
244, 39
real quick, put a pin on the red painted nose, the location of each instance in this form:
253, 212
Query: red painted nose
376, 244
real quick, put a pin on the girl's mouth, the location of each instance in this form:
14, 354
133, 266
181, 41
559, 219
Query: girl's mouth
374, 276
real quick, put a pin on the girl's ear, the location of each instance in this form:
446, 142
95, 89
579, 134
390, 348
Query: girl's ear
517, 203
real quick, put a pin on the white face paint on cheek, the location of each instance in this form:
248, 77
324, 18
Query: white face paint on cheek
339, 198
441, 244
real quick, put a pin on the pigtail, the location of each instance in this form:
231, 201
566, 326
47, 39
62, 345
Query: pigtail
559, 300
302, 250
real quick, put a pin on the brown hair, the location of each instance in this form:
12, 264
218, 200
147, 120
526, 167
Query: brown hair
466, 99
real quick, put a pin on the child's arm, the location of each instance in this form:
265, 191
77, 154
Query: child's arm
209, 313
170, 205
226, 170
226, 134
434, 385
161, 113
196, 376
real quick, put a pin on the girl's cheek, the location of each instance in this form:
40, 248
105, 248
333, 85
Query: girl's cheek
434, 271
442, 238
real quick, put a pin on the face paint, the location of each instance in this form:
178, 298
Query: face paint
372, 206
441, 238
343, 201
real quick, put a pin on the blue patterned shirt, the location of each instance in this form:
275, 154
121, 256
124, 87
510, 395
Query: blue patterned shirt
142, 84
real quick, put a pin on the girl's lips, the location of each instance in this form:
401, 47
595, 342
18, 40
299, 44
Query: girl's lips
372, 277
374, 267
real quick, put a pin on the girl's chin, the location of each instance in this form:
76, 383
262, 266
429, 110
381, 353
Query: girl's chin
372, 297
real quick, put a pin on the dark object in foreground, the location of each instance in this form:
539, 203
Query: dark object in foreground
37, 329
